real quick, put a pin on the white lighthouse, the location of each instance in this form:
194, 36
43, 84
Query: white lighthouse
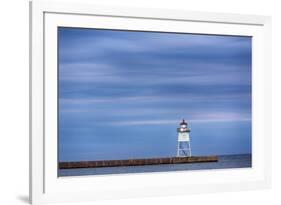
184, 148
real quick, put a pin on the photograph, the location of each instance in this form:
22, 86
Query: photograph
134, 101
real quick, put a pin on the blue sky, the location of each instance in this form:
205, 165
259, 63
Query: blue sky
122, 94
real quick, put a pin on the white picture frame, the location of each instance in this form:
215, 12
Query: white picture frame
46, 187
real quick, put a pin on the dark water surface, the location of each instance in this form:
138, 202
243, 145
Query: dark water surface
225, 161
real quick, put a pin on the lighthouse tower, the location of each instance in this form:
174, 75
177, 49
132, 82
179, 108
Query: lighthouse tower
184, 149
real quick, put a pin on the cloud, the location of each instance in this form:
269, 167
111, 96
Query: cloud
83, 42
151, 117
206, 119
106, 73
112, 83
159, 99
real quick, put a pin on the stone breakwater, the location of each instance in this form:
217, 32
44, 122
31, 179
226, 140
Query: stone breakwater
136, 162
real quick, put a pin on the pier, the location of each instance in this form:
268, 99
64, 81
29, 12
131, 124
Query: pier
136, 162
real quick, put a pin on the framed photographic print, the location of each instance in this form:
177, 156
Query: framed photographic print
129, 102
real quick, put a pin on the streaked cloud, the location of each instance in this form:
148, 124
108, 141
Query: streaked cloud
132, 88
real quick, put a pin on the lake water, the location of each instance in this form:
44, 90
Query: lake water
225, 161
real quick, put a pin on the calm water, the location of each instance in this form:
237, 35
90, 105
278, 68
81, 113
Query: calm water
225, 161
